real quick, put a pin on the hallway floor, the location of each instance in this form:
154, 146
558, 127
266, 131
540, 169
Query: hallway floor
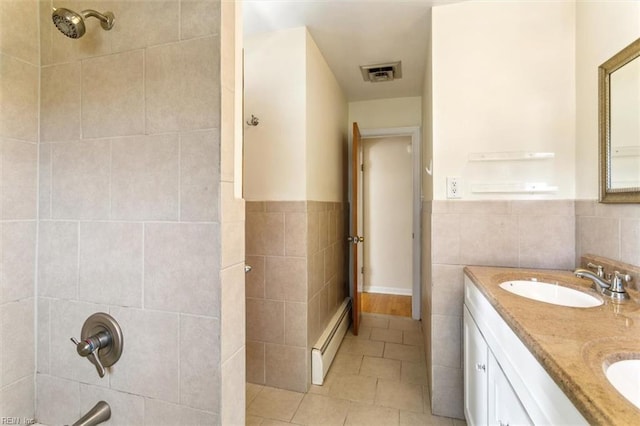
378, 378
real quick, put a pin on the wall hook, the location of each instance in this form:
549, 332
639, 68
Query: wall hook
254, 121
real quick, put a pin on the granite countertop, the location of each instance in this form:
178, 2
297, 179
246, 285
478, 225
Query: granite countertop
571, 343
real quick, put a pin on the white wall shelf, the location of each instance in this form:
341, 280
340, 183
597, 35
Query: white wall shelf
513, 187
510, 156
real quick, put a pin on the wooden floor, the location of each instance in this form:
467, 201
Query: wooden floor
388, 304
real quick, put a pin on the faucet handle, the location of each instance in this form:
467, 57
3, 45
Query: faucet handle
89, 348
599, 269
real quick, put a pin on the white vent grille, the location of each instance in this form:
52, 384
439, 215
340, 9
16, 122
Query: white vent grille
381, 72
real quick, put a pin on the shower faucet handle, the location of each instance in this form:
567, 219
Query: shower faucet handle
89, 348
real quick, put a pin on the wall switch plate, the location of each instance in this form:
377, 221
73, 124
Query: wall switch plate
454, 189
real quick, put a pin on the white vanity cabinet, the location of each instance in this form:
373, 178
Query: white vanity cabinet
488, 395
503, 382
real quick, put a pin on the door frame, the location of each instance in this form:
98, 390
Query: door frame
416, 145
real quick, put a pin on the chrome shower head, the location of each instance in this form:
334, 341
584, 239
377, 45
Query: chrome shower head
71, 23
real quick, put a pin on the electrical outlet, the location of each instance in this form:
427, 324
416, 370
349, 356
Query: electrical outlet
454, 189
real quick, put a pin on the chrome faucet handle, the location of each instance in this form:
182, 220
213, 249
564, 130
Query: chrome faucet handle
599, 269
619, 280
89, 348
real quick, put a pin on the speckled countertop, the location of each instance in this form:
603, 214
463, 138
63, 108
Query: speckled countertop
571, 343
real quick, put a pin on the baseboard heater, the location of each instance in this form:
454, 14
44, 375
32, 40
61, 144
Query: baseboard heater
324, 351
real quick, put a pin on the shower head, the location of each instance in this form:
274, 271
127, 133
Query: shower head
71, 23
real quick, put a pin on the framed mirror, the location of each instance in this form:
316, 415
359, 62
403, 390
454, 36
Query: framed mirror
619, 122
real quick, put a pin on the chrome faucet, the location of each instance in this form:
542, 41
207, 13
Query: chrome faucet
100, 413
613, 288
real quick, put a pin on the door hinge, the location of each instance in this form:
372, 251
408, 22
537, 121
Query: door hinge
362, 167
362, 269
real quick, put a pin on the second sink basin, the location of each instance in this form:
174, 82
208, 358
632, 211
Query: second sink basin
625, 377
551, 293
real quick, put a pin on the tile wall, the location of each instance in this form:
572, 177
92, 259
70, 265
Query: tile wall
528, 234
19, 92
297, 251
136, 203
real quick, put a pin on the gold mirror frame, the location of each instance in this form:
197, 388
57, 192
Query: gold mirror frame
608, 194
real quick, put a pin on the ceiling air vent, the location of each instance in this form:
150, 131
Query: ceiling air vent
381, 72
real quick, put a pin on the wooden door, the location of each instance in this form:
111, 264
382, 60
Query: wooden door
354, 239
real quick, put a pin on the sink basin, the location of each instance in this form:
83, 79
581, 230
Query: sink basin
625, 377
551, 293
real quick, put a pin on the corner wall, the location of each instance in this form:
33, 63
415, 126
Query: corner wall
19, 92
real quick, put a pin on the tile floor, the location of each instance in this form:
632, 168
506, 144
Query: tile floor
377, 378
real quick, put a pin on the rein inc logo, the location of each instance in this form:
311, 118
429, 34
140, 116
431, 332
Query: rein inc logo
17, 421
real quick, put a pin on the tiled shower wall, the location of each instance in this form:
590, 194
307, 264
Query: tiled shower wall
297, 251
131, 200
19, 82
528, 234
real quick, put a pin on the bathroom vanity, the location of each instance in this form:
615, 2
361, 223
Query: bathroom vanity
531, 362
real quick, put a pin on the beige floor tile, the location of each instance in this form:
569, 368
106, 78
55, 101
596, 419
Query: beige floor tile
386, 335
271, 422
381, 368
409, 418
369, 415
414, 372
363, 333
426, 399
253, 421
346, 363
404, 396
362, 347
458, 422
404, 352
374, 321
275, 404
252, 391
413, 337
321, 410
354, 388
403, 324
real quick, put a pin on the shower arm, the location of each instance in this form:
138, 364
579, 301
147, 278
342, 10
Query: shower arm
106, 19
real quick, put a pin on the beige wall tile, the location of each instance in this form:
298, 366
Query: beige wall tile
17, 256
161, 413
446, 239
17, 333
18, 399
19, 88
60, 118
488, 240
199, 373
547, 241
233, 402
151, 191
313, 232
286, 367
19, 30
199, 176
295, 225
323, 229
18, 179
629, 243
286, 278
182, 85
597, 235
256, 206
313, 319
233, 208
315, 273
58, 260
199, 18
181, 268
126, 409
43, 330
45, 27
265, 320
448, 294
265, 233
111, 263
447, 397
233, 317
585, 207
143, 369
480, 207
80, 180
255, 280
57, 400
113, 95
547, 207
45, 181
233, 243
286, 206
447, 332
295, 324
255, 362
143, 23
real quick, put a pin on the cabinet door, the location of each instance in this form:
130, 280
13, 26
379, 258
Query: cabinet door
475, 373
505, 409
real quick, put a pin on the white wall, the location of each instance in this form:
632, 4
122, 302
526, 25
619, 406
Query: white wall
602, 29
504, 80
388, 187
384, 113
326, 129
275, 92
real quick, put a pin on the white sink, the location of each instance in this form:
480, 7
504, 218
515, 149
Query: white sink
551, 293
625, 377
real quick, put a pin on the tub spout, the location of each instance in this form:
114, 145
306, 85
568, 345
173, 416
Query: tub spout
101, 412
